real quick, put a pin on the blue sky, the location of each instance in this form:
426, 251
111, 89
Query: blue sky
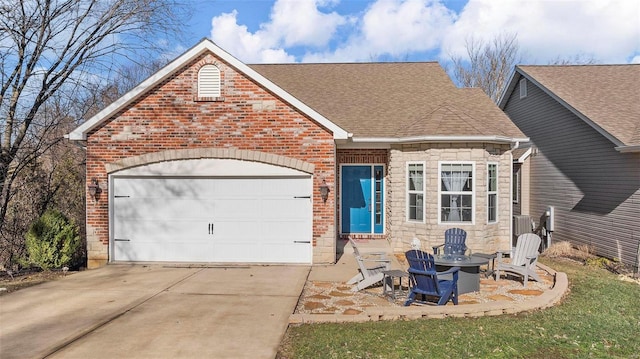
272, 31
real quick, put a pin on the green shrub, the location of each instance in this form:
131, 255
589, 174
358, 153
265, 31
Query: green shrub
52, 242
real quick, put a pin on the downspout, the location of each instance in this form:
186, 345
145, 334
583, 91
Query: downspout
514, 145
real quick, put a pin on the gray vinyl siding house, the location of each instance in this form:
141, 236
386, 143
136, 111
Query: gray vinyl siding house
584, 124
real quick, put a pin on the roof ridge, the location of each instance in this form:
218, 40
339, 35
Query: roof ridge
348, 63
579, 65
474, 121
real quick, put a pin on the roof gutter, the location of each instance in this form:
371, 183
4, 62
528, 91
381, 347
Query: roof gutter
628, 149
418, 139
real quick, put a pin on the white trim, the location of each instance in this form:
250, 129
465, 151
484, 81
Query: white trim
496, 192
511, 202
373, 192
346, 144
206, 45
628, 149
418, 139
408, 192
473, 192
524, 156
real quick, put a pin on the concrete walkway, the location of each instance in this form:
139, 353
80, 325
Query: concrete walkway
153, 311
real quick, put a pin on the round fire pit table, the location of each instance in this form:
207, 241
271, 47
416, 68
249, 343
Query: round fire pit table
469, 274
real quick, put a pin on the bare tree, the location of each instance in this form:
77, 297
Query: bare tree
488, 64
579, 59
51, 52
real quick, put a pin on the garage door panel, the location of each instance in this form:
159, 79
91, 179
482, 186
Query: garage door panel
162, 208
154, 230
170, 251
282, 252
285, 232
242, 208
212, 219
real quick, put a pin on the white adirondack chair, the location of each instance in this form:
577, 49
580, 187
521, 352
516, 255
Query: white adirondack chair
524, 258
371, 266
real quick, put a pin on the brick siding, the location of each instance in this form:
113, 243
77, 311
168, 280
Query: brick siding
245, 119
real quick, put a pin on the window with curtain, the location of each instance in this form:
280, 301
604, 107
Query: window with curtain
415, 192
456, 192
492, 192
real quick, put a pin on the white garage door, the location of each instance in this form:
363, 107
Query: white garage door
259, 220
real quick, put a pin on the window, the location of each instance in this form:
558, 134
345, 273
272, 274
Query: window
492, 192
456, 192
415, 192
209, 82
523, 88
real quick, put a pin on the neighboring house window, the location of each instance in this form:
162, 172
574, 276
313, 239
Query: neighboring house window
492, 192
456, 192
415, 191
515, 186
209, 82
523, 88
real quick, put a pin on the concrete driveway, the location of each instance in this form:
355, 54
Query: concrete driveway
153, 311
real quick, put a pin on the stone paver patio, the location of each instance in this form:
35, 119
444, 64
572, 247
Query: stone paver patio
326, 300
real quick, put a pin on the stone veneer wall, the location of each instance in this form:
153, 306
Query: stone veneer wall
246, 120
481, 236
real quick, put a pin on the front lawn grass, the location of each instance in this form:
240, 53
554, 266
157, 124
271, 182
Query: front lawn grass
599, 318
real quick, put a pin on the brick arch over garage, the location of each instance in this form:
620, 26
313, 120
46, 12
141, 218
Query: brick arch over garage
201, 153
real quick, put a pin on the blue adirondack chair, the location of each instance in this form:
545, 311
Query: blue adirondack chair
423, 280
454, 242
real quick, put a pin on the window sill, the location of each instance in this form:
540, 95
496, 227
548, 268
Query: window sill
209, 99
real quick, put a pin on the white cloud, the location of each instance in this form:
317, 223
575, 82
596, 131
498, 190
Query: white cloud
608, 31
396, 28
296, 22
605, 30
248, 47
292, 23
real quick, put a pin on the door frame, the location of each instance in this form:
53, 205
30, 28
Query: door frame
382, 225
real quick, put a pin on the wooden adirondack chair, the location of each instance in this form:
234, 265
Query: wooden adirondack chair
524, 258
423, 280
371, 265
454, 242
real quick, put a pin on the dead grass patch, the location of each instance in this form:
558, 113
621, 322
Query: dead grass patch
585, 255
565, 249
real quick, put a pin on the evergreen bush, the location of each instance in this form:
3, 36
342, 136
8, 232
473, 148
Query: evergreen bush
52, 242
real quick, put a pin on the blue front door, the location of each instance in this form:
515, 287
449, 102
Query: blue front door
362, 199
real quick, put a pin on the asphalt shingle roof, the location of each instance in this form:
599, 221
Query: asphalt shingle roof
391, 100
606, 94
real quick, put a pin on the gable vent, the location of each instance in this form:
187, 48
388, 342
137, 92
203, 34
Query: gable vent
209, 81
523, 88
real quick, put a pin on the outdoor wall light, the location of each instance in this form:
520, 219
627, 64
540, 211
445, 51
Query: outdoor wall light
94, 189
324, 191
